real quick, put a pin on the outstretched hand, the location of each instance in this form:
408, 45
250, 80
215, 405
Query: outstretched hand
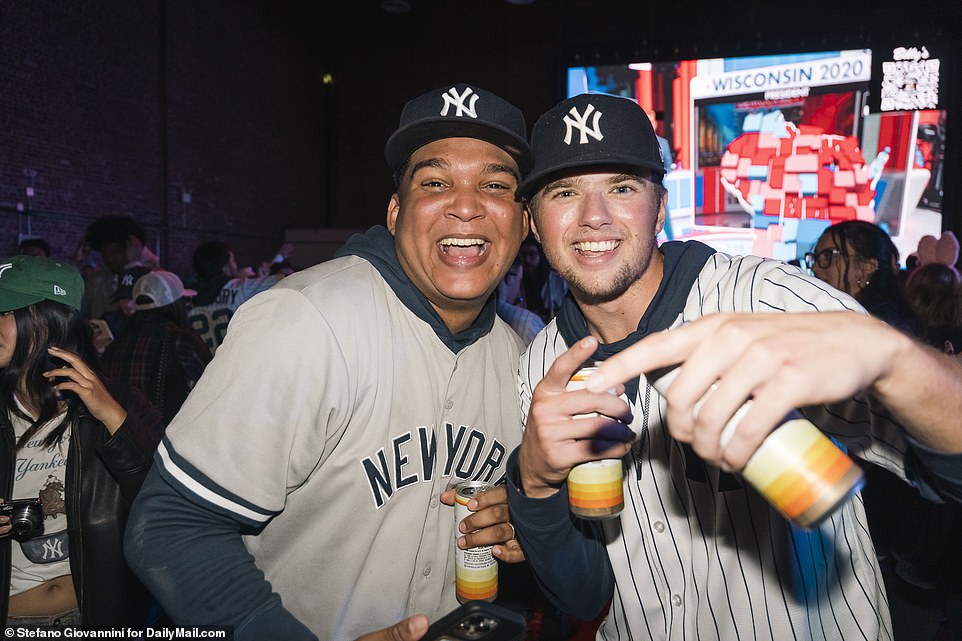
779, 361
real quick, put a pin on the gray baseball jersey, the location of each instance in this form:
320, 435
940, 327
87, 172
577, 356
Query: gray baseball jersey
333, 416
211, 321
698, 555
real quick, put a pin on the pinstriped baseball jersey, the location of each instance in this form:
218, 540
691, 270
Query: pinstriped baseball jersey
365, 415
698, 555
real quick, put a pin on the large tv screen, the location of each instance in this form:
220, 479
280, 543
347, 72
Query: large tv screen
767, 151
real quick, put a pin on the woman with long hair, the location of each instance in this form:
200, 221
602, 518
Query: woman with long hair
74, 450
860, 259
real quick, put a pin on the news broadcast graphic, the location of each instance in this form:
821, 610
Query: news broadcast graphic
768, 151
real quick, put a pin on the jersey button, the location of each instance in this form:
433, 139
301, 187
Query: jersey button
434, 502
659, 527
426, 571
676, 600
448, 404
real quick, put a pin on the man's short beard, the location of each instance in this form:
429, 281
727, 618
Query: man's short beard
611, 290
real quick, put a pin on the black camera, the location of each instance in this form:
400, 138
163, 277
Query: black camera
26, 517
478, 621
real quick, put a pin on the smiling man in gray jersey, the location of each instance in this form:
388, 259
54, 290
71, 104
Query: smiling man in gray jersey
696, 553
309, 507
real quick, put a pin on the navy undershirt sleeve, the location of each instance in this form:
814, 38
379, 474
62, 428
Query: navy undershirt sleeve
567, 555
938, 475
194, 562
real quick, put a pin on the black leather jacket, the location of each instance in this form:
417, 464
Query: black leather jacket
103, 475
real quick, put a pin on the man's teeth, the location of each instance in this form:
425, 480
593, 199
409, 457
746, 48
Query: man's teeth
602, 246
463, 247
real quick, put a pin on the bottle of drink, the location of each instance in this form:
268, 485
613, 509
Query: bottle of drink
799, 470
594, 488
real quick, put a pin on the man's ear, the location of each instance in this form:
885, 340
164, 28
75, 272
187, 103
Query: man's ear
526, 219
393, 207
533, 224
662, 212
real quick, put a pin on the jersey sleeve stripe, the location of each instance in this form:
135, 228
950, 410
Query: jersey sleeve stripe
183, 475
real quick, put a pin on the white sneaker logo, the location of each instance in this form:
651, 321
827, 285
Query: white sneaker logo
451, 98
577, 121
59, 291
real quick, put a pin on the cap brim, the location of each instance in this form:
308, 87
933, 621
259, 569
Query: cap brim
11, 301
406, 141
187, 294
530, 185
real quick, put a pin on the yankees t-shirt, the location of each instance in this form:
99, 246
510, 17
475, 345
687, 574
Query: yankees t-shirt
40, 472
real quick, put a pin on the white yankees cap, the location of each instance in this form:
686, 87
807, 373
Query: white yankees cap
158, 288
590, 130
459, 111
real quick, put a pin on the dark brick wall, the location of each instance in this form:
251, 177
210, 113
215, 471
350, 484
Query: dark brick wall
123, 107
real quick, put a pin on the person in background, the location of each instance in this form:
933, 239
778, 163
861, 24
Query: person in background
925, 557
544, 289
667, 159
222, 287
695, 553
284, 268
34, 247
80, 443
309, 467
860, 259
159, 353
934, 291
511, 301
121, 242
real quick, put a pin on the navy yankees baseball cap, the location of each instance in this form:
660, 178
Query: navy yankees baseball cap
459, 111
126, 280
26, 280
588, 130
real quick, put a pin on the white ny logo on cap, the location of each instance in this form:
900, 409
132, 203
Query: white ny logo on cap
451, 97
577, 121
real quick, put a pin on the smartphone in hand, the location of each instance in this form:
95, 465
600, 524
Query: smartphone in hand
55, 363
478, 621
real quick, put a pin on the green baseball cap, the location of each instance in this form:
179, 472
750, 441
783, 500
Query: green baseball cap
25, 280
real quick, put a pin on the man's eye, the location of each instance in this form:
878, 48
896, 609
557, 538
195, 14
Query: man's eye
623, 189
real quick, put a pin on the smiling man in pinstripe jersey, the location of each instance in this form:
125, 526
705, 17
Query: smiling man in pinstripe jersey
695, 554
